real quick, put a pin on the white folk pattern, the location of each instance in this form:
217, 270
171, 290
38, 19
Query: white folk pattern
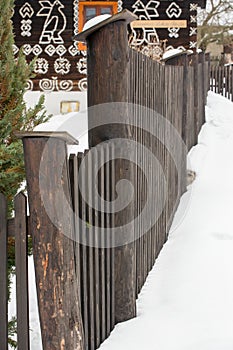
26, 27
41, 66
26, 10
48, 85
173, 32
193, 7
82, 65
173, 10
54, 25
62, 65
192, 31
82, 84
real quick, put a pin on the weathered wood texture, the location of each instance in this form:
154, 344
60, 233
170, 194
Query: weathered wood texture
221, 80
52, 228
21, 263
109, 86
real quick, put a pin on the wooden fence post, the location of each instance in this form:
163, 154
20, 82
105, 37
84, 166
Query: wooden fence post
108, 72
53, 247
3, 274
21, 263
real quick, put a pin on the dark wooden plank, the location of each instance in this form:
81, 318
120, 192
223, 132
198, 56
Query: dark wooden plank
112, 256
3, 273
96, 222
108, 240
83, 262
21, 263
102, 250
90, 253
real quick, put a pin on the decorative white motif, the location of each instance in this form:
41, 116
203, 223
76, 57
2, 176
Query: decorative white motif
41, 66
193, 19
29, 85
173, 10
26, 27
82, 65
49, 85
73, 50
62, 66
15, 49
37, 50
26, 10
65, 85
27, 49
75, 16
50, 50
192, 31
173, 32
192, 44
149, 36
119, 5
82, 84
193, 7
154, 51
61, 50
55, 22
148, 11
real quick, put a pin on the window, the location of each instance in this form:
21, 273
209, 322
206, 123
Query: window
90, 9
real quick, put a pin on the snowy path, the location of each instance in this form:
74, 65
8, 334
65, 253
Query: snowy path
187, 301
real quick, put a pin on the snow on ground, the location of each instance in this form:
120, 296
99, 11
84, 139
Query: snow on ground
187, 300
187, 303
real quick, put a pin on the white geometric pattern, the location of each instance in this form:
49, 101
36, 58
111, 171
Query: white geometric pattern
26, 27
193, 7
82, 65
37, 50
192, 44
173, 10
41, 66
26, 10
193, 19
82, 84
192, 31
73, 50
61, 50
15, 49
53, 84
62, 66
27, 49
50, 50
148, 11
173, 32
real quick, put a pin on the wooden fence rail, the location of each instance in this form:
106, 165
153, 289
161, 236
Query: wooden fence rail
221, 80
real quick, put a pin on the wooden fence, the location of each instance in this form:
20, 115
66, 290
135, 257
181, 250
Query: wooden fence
221, 80
17, 228
86, 282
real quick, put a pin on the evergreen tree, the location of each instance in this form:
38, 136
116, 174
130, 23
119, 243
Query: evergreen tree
14, 74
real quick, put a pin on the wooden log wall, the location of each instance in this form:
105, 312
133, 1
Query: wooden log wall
221, 80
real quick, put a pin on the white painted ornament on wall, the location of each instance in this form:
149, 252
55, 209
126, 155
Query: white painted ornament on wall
49, 85
26, 27
26, 11
192, 31
54, 24
173, 10
173, 32
62, 66
146, 11
41, 66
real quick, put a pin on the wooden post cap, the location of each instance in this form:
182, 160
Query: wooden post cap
125, 15
63, 135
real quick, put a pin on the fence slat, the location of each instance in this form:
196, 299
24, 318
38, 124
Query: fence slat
21, 263
3, 274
